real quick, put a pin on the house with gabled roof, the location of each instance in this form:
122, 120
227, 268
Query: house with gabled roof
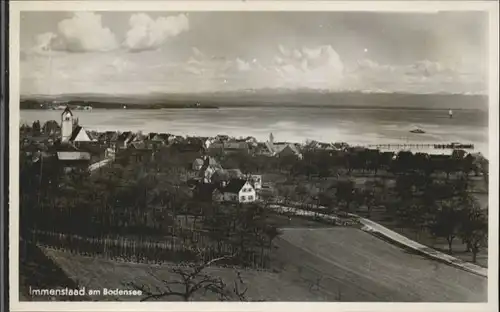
71, 158
286, 149
80, 135
236, 190
124, 139
325, 146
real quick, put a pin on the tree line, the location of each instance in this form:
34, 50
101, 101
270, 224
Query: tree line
330, 163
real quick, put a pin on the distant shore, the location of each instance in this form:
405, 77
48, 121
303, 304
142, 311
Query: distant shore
269, 98
82, 105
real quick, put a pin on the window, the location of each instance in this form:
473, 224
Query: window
242, 198
250, 197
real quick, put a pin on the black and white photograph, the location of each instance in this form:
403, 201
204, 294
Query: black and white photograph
197, 154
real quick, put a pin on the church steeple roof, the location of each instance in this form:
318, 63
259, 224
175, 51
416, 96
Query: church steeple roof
67, 110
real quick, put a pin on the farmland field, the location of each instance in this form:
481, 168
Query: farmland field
320, 264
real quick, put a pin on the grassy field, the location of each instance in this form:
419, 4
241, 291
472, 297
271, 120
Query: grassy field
308, 264
99, 273
362, 267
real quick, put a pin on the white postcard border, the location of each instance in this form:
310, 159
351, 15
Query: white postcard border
388, 6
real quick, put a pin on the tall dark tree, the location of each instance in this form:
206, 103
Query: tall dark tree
368, 197
36, 127
422, 163
447, 222
404, 162
346, 192
474, 230
467, 165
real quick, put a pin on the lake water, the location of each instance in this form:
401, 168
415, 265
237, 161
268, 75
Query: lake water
354, 126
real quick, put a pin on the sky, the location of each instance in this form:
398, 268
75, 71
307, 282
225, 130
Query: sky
177, 52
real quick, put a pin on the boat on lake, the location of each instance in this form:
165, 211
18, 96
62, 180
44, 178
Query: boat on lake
417, 131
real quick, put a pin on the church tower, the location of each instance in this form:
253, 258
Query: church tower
66, 125
271, 138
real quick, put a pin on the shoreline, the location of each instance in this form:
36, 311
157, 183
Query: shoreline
271, 105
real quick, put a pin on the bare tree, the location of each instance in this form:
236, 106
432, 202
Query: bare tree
192, 279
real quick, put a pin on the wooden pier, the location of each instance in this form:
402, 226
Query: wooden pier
400, 146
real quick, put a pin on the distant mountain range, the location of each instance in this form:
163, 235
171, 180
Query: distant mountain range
268, 97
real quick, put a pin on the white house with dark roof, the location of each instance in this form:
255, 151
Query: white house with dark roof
237, 190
